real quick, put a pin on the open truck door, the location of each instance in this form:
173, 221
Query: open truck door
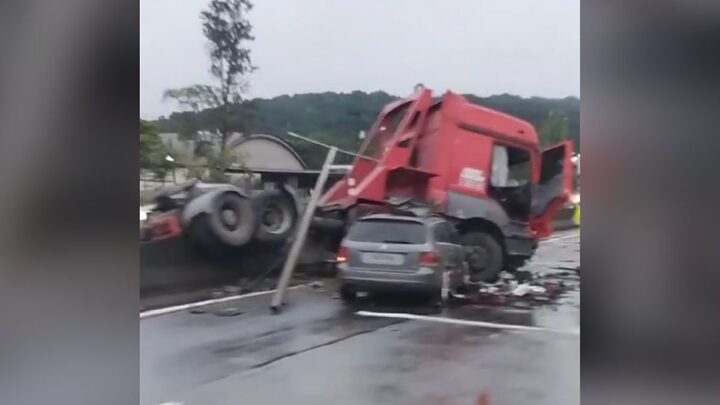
556, 184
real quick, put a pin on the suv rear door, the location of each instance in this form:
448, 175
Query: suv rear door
557, 180
386, 244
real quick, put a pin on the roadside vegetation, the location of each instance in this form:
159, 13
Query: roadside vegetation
337, 118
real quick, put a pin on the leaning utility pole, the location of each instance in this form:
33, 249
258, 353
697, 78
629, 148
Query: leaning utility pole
301, 233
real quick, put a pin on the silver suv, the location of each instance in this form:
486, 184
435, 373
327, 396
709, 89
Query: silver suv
388, 252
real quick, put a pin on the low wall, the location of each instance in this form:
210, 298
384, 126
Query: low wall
175, 265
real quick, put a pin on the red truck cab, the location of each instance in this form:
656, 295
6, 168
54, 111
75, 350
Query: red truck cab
482, 169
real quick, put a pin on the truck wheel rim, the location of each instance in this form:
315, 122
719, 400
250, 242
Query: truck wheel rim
275, 219
477, 258
229, 218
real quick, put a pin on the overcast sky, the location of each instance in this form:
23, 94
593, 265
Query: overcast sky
485, 47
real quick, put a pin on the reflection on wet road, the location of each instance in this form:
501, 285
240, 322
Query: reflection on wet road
318, 351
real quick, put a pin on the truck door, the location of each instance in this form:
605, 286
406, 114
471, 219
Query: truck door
557, 179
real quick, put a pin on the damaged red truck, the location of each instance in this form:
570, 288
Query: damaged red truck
481, 169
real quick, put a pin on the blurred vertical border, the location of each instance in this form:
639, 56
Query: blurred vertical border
68, 169
650, 146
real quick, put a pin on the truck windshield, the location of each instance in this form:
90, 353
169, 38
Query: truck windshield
388, 231
384, 132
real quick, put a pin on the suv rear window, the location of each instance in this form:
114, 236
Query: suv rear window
388, 231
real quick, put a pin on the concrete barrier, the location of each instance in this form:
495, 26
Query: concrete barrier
176, 265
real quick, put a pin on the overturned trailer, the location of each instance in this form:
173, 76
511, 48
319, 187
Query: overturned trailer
199, 233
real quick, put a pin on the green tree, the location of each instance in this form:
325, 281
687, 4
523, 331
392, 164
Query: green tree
196, 172
554, 129
153, 152
227, 30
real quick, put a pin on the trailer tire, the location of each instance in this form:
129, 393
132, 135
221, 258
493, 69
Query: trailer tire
203, 237
231, 219
276, 215
484, 255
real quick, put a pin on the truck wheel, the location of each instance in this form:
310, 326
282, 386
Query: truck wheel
232, 219
484, 255
276, 214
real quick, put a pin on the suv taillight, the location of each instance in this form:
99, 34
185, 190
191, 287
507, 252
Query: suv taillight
429, 258
342, 255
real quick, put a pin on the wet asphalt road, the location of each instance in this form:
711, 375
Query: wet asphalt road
317, 351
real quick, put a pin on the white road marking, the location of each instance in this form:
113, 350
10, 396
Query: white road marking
491, 325
177, 308
561, 237
171, 403
555, 265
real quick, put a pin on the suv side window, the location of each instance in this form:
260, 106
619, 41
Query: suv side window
440, 233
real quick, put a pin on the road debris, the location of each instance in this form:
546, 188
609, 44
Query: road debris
233, 289
524, 288
231, 311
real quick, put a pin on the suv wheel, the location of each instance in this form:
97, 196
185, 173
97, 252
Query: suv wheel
347, 294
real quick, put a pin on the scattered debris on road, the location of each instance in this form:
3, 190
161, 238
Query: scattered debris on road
524, 287
231, 311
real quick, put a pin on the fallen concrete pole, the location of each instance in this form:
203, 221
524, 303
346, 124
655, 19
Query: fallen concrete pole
301, 233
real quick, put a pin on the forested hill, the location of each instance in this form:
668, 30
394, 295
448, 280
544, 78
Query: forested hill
336, 118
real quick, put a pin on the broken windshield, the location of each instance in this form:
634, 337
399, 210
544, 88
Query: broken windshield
385, 131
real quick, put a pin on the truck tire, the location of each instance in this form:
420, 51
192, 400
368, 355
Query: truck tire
203, 237
231, 219
276, 214
484, 255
